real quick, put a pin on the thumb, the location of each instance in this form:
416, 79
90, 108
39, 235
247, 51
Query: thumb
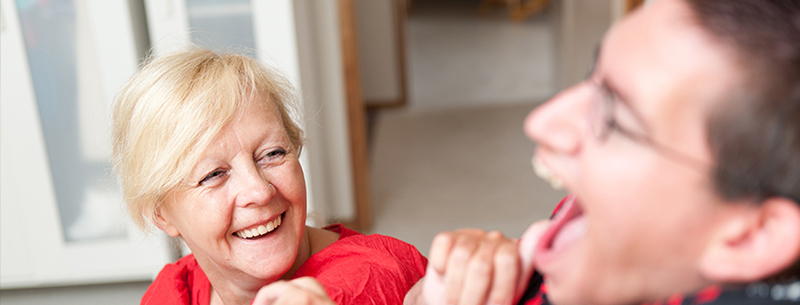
527, 251
311, 285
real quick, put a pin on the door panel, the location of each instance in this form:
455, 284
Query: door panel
62, 62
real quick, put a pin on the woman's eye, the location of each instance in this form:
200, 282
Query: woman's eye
275, 154
214, 175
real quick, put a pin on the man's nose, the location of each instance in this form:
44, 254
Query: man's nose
561, 123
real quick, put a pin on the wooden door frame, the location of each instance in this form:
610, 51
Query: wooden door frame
400, 8
362, 220
631, 5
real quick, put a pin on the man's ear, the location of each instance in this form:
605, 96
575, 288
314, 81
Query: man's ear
754, 243
164, 223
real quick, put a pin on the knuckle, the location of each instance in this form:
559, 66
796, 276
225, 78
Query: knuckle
304, 299
495, 299
467, 230
442, 239
443, 235
451, 299
467, 241
479, 268
460, 255
505, 259
470, 233
495, 235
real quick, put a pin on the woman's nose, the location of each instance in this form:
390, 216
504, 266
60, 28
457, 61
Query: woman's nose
253, 187
561, 123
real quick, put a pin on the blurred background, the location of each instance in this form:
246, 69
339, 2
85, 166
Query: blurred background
413, 110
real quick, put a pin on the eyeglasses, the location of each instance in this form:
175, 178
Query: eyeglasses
604, 123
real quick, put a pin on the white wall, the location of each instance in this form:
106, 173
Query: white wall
117, 294
301, 39
323, 92
321, 75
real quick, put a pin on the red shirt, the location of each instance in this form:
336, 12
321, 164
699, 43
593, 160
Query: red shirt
356, 269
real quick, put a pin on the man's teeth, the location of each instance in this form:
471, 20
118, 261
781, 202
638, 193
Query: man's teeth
543, 172
260, 230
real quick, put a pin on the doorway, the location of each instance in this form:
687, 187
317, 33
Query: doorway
455, 155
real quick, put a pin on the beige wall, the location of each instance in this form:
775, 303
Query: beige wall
377, 34
580, 28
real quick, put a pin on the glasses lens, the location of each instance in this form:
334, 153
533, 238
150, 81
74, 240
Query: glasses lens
599, 112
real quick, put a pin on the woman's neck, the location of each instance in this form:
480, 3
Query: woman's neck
227, 293
314, 240
303, 253
215, 299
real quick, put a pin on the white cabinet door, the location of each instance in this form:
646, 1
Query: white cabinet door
63, 218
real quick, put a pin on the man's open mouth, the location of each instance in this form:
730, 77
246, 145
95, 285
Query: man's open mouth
543, 172
568, 226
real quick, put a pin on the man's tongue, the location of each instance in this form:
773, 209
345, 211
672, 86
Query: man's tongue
567, 226
574, 229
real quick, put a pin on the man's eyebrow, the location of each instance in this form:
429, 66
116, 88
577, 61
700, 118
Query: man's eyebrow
595, 59
612, 88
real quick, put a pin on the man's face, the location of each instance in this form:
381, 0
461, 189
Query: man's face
642, 207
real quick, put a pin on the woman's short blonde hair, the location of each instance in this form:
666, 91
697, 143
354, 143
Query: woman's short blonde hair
171, 110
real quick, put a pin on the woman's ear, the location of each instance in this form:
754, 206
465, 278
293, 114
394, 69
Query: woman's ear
164, 223
754, 243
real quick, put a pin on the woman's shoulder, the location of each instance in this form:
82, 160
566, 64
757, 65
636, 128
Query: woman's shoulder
354, 250
358, 268
181, 282
340, 229
338, 245
352, 239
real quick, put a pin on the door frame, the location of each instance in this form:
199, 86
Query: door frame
362, 220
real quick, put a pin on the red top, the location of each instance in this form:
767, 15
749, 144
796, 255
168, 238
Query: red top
356, 269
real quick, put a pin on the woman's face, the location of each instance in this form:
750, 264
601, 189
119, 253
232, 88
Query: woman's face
243, 210
640, 215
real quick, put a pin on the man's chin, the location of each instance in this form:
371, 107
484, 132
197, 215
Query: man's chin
556, 297
573, 293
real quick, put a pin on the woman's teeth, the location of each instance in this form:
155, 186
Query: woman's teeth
260, 230
543, 172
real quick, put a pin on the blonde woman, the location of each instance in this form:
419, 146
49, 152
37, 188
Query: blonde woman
206, 147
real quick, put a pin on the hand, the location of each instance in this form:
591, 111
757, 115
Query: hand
470, 266
527, 251
301, 291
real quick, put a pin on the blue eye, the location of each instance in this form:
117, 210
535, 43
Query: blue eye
214, 175
276, 153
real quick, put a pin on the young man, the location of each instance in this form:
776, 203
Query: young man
681, 153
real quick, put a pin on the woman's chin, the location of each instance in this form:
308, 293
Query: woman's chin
268, 256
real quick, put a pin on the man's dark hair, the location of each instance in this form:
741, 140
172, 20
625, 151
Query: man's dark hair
755, 137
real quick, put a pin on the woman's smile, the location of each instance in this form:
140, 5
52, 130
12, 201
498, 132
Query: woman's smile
260, 230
